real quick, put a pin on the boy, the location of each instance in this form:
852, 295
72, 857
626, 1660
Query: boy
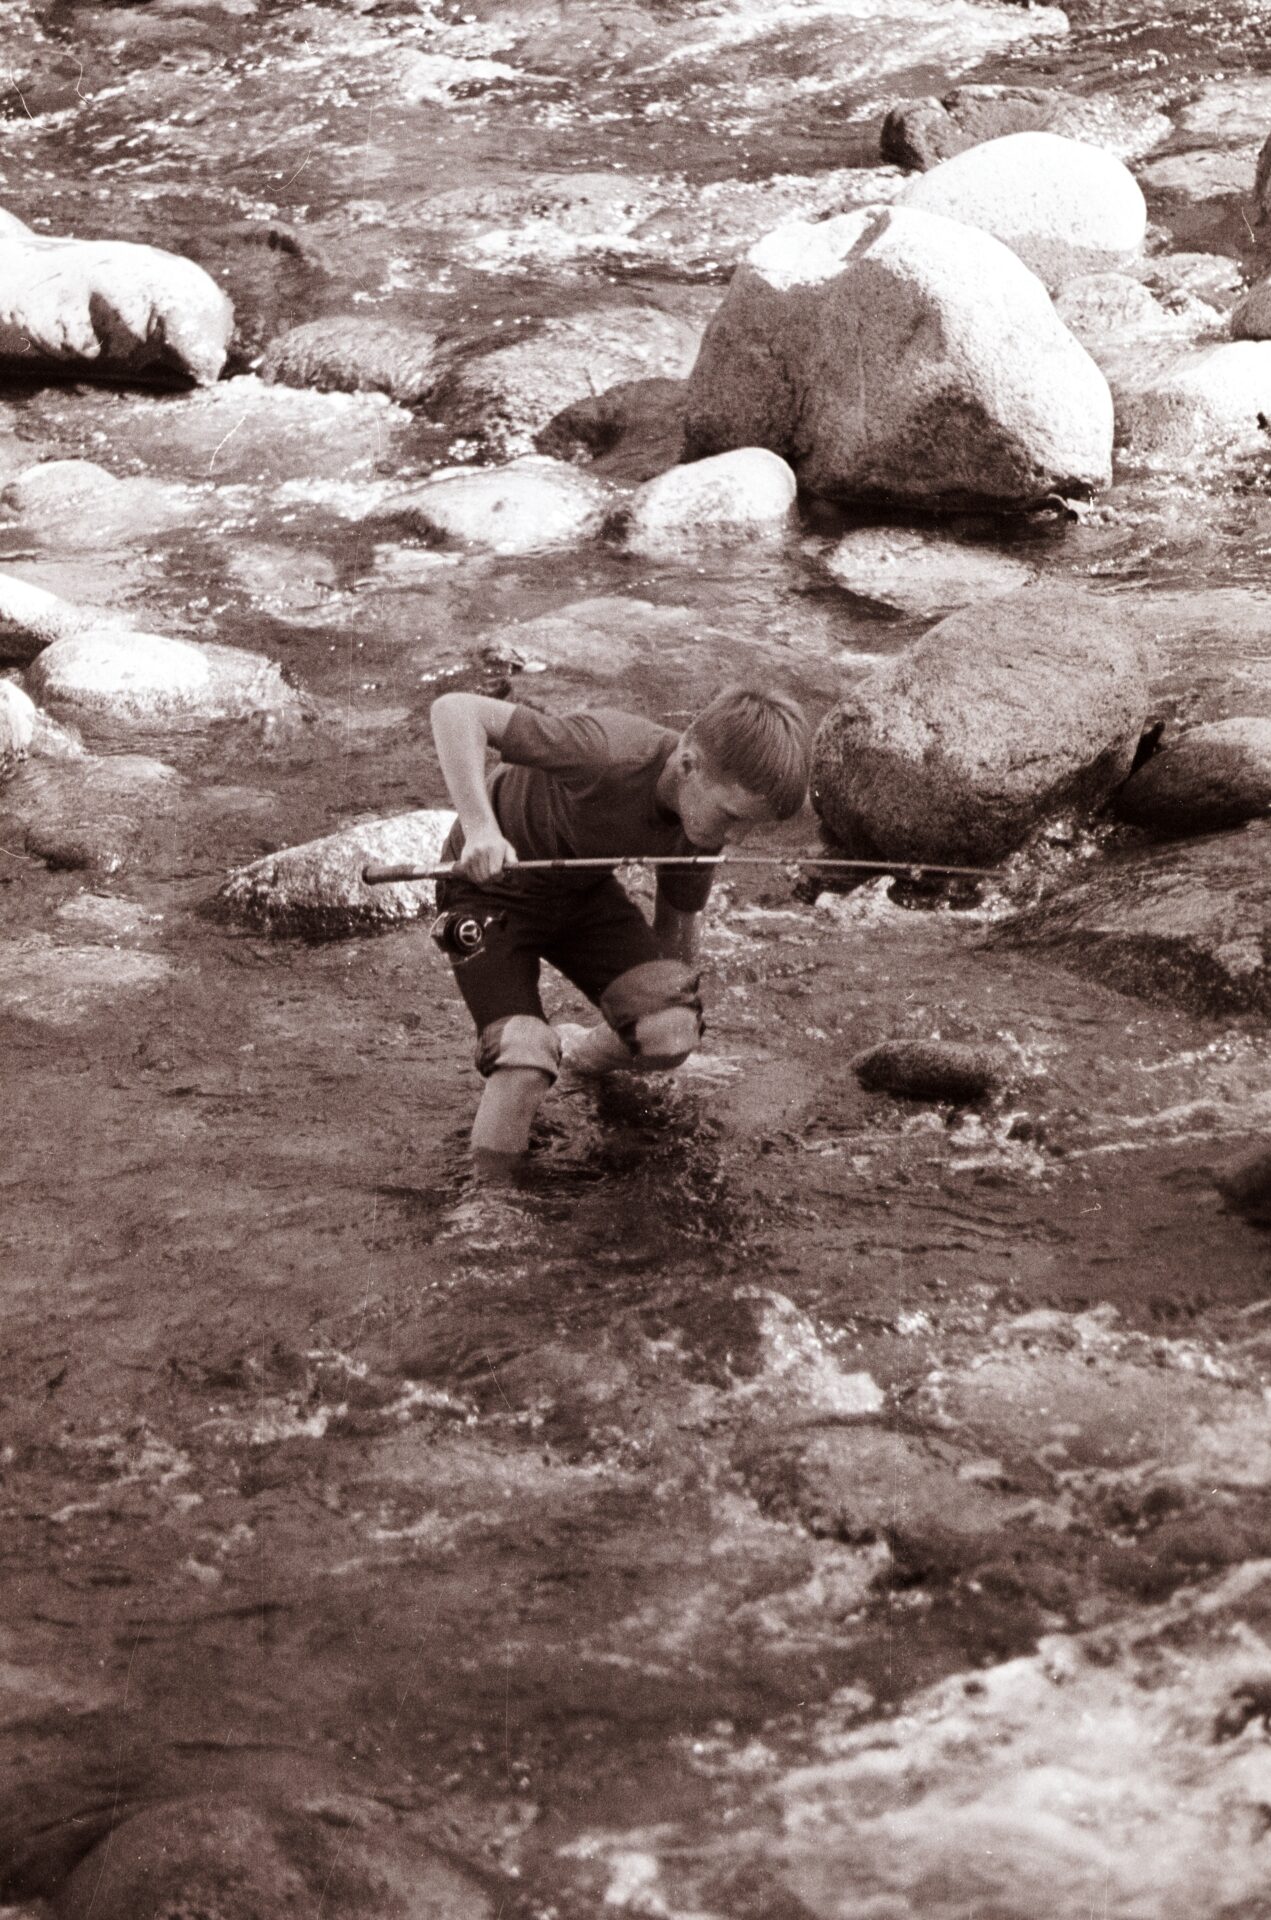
582, 785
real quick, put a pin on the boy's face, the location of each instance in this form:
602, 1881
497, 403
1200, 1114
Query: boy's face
714, 810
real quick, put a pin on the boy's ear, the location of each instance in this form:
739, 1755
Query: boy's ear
689, 758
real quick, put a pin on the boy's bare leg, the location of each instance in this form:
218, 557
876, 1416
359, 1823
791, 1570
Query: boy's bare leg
501, 1130
595, 1050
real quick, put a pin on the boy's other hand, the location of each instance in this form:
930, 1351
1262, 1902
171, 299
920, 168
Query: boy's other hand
485, 855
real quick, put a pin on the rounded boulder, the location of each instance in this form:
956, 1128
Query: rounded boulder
999, 717
349, 354
742, 496
949, 1070
1212, 776
144, 678
891, 354
1064, 207
317, 890
525, 507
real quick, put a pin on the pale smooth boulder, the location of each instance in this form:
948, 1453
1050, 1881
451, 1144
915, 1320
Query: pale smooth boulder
920, 573
108, 306
999, 717
76, 503
726, 499
146, 679
1206, 402
525, 507
317, 889
31, 618
1064, 207
891, 354
17, 726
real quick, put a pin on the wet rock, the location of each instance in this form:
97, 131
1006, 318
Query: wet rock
1121, 324
317, 889
144, 679
1246, 1186
350, 354
528, 506
1184, 280
1199, 176
31, 618
1251, 315
933, 1070
1188, 924
58, 986
1227, 112
1212, 776
505, 398
76, 503
17, 726
97, 814
107, 918
1062, 206
549, 217
734, 497
921, 573
110, 307
598, 638
226, 1859
894, 354
1202, 404
922, 133
998, 717
712, 225
632, 431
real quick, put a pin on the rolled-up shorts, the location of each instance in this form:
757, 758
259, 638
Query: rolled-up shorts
592, 935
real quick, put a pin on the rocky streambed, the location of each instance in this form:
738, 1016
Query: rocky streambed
836, 1482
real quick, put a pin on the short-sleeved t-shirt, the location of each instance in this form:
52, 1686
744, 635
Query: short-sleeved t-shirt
580, 785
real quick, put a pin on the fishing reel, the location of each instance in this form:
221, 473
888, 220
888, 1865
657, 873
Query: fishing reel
462, 934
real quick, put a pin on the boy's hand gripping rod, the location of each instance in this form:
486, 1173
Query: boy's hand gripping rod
378, 876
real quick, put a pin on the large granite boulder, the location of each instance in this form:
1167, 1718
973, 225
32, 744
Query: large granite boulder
107, 306
895, 355
354, 353
731, 498
1188, 923
1062, 206
145, 679
317, 889
996, 718
528, 506
1213, 776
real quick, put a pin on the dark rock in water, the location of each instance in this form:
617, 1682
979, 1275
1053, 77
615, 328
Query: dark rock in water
933, 1070
96, 815
1211, 777
922, 133
1246, 1186
222, 1859
1189, 923
632, 431
349, 354
1000, 716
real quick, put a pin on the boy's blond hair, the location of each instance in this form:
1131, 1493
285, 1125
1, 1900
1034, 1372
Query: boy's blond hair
758, 740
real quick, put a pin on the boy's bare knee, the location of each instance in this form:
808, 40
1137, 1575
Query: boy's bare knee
665, 1039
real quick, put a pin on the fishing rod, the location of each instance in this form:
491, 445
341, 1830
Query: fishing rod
378, 876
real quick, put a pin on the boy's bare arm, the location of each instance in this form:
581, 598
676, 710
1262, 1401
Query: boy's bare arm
463, 726
677, 932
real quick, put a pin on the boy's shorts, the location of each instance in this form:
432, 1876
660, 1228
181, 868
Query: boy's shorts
592, 935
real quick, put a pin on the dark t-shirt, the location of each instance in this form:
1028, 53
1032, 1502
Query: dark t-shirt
580, 785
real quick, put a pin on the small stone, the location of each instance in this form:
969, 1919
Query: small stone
933, 1070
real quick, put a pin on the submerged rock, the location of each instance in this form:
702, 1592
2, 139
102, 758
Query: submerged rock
933, 1070
745, 496
1189, 924
632, 431
525, 507
317, 889
76, 503
1246, 1186
894, 354
598, 638
1201, 176
1062, 206
59, 986
107, 306
145, 679
17, 726
507, 397
1213, 776
347, 353
1205, 403
98, 814
998, 717
227, 1859
921, 573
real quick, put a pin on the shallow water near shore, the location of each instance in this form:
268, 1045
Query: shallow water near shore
577, 1532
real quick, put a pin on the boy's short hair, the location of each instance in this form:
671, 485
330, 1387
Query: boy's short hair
758, 740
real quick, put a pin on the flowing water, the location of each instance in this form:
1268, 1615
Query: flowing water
321, 1468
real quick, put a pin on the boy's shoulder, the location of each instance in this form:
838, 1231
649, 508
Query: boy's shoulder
589, 737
